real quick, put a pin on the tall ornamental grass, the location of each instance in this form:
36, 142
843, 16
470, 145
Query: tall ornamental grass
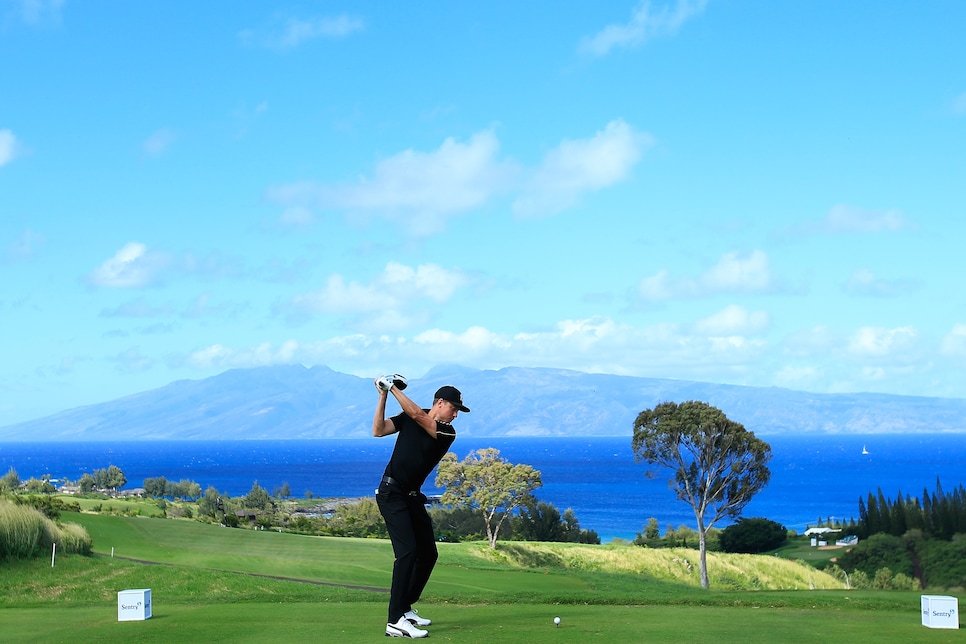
25, 533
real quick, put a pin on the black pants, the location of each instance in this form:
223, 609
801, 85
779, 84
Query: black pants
413, 544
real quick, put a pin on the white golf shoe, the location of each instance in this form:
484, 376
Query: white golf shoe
414, 617
404, 628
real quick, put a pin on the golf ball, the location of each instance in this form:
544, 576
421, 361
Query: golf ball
556, 620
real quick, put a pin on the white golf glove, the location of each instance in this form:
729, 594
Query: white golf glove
384, 383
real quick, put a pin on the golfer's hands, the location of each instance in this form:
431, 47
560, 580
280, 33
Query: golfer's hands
384, 383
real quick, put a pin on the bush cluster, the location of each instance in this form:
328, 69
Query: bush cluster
26, 533
753, 536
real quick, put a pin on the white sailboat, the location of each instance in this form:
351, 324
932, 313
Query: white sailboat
864, 450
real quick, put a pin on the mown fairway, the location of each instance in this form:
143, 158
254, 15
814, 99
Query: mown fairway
222, 585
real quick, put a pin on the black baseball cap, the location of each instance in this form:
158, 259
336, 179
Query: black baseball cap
453, 395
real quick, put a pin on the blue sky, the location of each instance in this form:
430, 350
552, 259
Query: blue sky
756, 193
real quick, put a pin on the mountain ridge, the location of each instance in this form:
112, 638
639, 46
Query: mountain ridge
297, 402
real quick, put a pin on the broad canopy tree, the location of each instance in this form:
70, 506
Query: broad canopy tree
487, 482
111, 478
718, 465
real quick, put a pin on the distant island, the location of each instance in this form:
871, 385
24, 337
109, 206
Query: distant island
296, 402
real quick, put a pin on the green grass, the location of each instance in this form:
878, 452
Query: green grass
214, 585
800, 549
141, 507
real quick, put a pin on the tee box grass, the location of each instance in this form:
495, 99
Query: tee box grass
218, 584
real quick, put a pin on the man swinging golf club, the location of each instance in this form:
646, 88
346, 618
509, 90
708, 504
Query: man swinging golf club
425, 435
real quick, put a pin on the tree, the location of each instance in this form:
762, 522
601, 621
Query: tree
458, 524
283, 491
86, 483
650, 536
361, 519
111, 478
156, 487
184, 489
538, 522
211, 504
39, 486
10, 481
753, 536
489, 483
115, 477
573, 532
718, 465
257, 498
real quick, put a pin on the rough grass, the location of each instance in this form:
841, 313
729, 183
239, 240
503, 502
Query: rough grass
677, 565
25, 533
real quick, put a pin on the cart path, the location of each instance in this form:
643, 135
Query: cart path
255, 574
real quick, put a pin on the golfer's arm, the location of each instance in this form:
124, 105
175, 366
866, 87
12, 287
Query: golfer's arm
415, 412
382, 426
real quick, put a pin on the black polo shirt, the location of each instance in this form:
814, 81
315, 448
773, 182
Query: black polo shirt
416, 453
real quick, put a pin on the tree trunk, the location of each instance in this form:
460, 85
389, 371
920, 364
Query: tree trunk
490, 532
703, 550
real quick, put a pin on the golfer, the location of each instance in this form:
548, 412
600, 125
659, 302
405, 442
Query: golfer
425, 435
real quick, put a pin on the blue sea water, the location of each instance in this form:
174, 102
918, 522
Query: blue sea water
813, 476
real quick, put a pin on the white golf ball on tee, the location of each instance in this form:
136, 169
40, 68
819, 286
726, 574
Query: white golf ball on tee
556, 620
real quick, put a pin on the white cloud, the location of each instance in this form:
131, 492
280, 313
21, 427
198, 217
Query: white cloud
644, 25
593, 345
138, 308
657, 287
582, 165
954, 343
390, 301
132, 266
24, 246
798, 377
816, 341
420, 191
133, 361
842, 219
158, 142
864, 282
733, 320
8, 147
417, 190
816, 359
218, 356
297, 217
733, 273
293, 32
879, 342
36, 12
848, 219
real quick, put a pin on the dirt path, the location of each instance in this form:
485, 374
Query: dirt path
255, 574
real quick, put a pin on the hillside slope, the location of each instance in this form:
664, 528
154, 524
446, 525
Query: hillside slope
290, 402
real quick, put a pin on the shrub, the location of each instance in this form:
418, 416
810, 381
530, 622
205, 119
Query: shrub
859, 579
73, 538
943, 563
877, 552
22, 531
360, 519
904, 582
753, 536
25, 533
882, 579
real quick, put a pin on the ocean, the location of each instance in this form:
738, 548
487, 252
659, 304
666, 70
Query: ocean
813, 476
